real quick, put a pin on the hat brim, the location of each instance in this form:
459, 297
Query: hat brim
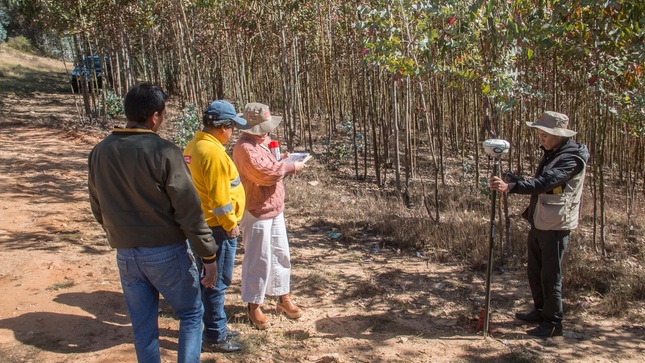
264, 127
240, 122
555, 131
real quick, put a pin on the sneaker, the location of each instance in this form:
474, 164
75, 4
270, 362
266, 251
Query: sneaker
225, 346
534, 316
546, 331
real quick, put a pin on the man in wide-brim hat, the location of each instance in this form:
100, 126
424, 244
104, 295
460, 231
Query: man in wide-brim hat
556, 192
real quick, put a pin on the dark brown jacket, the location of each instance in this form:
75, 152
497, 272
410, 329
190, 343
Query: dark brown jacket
142, 194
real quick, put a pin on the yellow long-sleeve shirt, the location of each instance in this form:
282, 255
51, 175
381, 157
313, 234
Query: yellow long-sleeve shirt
217, 181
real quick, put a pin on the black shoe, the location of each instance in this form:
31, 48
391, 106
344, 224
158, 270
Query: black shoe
225, 346
534, 316
546, 331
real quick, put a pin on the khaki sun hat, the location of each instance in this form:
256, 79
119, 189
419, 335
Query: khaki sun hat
553, 123
259, 119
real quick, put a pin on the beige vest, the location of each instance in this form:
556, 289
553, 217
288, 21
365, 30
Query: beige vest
559, 212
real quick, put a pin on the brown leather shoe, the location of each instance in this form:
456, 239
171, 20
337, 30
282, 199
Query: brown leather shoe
257, 317
286, 306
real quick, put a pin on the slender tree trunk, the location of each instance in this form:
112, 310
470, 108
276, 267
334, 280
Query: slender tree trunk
397, 147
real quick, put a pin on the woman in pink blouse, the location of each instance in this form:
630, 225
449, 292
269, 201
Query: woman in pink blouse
266, 268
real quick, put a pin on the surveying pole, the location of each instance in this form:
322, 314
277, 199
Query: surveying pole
495, 148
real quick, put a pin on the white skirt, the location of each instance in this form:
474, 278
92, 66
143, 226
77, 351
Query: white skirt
266, 267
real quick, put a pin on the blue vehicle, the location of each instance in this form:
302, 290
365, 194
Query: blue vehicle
90, 72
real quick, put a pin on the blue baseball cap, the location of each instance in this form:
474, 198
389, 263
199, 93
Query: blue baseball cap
220, 112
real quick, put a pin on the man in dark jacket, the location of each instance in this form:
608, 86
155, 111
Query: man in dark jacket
143, 196
556, 192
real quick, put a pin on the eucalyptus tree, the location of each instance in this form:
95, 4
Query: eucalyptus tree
592, 53
610, 37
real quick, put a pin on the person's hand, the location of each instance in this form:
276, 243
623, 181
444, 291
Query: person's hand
299, 165
284, 155
497, 184
210, 274
509, 177
233, 233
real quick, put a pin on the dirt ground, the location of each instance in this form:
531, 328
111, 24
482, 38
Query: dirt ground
61, 298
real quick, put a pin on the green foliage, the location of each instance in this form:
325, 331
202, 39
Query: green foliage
343, 147
633, 116
499, 45
27, 18
21, 43
4, 21
459, 40
483, 187
113, 105
186, 127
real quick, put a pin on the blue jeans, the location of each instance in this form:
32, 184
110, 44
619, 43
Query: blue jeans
213, 299
169, 270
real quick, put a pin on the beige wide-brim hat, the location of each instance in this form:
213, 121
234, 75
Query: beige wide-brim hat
553, 123
259, 118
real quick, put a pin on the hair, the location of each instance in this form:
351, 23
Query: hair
142, 101
206, 121
216, 124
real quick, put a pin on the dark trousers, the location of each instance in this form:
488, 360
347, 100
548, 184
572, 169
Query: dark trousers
545, 251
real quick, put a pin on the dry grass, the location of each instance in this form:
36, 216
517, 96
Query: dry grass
366, 215
22, 73
61, 286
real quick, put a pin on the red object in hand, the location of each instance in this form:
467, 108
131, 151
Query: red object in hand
275, 149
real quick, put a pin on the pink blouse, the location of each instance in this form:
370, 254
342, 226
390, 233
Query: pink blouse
261, 175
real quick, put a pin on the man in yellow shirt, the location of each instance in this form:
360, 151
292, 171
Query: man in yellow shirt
222, 200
